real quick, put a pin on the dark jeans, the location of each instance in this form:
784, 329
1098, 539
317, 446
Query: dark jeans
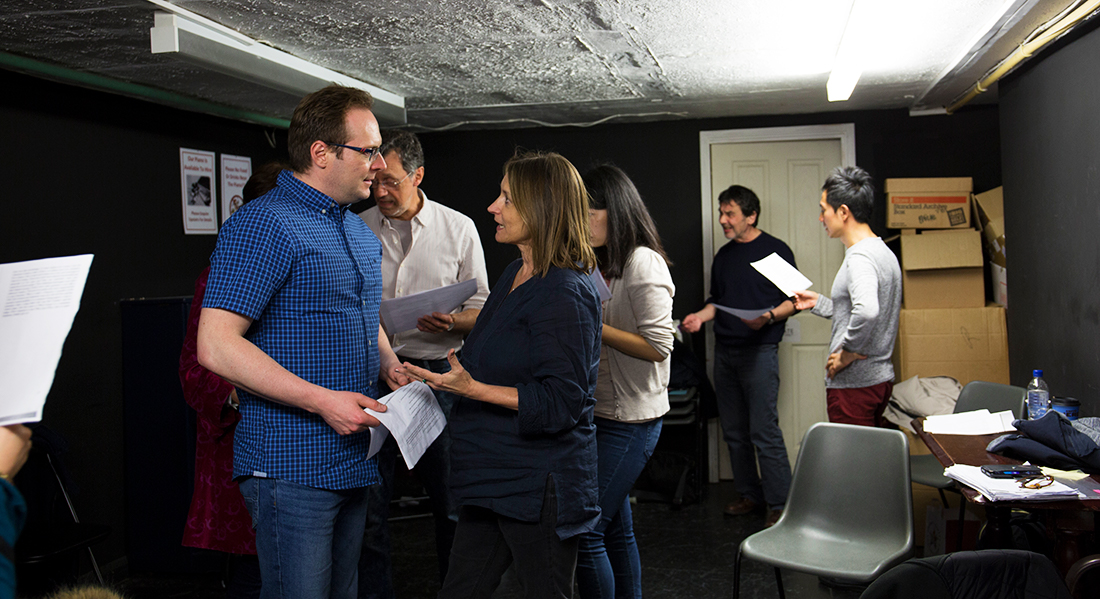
486, 543
433, 470
746, 380
608, 565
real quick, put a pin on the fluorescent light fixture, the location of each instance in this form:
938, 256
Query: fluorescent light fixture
218, 48
848, 64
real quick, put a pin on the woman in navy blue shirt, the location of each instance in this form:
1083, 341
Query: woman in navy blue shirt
524, 446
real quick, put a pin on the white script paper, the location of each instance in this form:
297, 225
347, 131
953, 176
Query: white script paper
401, 313
38, 301
978, 422
745, 314
601, 285
779, 271
413, 417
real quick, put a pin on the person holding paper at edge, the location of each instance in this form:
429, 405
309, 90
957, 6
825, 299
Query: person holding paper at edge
425, 245
746, 356
290, 318
523, 441
865, 304
632, 387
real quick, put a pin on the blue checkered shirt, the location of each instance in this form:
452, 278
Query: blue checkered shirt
307, 271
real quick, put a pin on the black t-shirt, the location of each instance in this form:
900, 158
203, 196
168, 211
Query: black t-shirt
734, 283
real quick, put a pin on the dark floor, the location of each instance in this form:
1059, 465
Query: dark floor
686, 553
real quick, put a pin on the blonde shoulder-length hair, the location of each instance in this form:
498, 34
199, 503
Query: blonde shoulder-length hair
550, 197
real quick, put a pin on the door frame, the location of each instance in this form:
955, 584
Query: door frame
845, 132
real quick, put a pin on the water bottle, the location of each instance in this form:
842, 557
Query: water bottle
1038, 396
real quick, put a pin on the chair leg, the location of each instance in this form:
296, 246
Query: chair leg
943, 498
95, 566
779, 583
737, 574
962, 521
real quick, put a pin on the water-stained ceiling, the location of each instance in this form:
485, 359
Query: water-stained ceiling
514, 62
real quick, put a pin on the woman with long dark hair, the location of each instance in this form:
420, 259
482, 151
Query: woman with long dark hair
523, 449
631, 391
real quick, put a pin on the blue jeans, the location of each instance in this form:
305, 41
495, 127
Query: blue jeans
607, 561
307, 539
746, 381
433, 470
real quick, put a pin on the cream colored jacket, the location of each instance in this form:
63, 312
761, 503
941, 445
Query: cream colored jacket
629, 389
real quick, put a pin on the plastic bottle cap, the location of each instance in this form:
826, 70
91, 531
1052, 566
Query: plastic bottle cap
1036, 373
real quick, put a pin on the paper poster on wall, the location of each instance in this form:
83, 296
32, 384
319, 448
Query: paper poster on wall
200, 199
235, 173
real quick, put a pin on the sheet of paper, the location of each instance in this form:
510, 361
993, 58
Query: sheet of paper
378, 436
400, 313
413, 417
978, 422
1007, 489
601, 285
745, 314
38, 301
779, 271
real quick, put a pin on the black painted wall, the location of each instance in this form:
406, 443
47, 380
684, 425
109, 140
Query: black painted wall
93, 172
1051, 165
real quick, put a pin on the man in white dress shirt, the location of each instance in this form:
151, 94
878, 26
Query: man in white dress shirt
425, 245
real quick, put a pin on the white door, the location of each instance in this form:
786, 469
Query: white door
787, 177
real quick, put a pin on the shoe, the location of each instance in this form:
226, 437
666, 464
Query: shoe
742, 507
772, 518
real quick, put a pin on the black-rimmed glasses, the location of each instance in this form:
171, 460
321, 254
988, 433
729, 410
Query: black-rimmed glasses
370, 153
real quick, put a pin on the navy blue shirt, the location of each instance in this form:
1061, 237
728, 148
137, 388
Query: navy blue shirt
544, 339
734, 283
307, 271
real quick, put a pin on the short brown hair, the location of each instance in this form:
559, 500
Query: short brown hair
550, 197
321, 116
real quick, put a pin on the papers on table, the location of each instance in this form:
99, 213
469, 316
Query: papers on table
601, 285
779, 271
38, 301
401, 313
1007, 489
413, 417
745, 314
978, 422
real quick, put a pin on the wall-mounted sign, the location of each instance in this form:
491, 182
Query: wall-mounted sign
235, 173
200, 199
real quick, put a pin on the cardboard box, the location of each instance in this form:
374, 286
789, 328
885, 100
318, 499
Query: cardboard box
942, 269
968, 344
990, 211
937, 203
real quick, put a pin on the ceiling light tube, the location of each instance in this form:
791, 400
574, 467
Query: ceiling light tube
848, 64
243, 58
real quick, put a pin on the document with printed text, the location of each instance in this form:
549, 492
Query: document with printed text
38, 302
413, 417
401, 313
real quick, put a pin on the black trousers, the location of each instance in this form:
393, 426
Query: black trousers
486, 544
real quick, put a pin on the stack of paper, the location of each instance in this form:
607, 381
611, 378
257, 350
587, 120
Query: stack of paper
978, 422
1007, 489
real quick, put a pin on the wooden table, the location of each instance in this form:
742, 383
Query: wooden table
1071, 522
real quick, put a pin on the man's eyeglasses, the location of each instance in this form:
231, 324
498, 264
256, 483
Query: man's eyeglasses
370, 153
1035, 482
391, 184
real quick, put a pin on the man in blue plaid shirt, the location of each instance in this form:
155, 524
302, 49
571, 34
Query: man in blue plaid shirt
290, 318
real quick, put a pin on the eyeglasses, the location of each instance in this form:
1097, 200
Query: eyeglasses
1035, 482
391, 184
370, 153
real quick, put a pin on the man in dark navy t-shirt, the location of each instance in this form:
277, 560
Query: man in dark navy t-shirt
746, 355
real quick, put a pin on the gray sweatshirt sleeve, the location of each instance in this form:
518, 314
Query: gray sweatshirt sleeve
863, 282
823, 307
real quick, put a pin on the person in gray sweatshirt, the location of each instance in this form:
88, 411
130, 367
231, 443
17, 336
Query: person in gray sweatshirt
866, 300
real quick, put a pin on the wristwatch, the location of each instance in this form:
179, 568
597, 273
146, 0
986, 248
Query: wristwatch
771, 317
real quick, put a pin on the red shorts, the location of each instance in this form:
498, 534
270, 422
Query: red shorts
863, 405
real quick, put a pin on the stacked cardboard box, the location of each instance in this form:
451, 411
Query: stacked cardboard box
945, 327
991, 218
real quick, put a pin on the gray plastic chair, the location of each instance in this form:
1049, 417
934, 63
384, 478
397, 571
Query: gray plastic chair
849, 515
995, 397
